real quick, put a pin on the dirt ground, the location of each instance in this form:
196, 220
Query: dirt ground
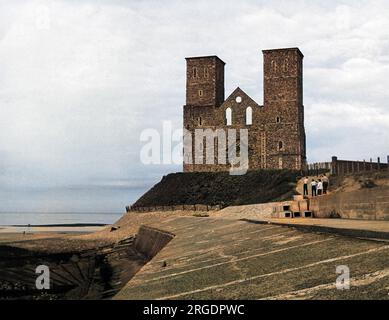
355, 182
56, 242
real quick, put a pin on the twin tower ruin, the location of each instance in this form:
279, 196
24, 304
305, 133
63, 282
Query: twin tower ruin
276, 133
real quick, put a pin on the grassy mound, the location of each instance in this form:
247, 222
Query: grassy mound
220, 188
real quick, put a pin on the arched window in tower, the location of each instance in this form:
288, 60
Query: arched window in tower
278, 120
249, 116
194, 72
229, 116
280, 146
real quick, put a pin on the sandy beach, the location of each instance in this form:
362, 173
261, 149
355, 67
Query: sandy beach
66, 229
17, 234
86, 262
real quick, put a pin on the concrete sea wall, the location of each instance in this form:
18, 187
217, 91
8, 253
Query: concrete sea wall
366, 204
149, 241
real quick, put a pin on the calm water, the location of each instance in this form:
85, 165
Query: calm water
7, 219
65, 205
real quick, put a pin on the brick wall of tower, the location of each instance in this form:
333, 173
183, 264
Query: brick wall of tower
204, 81
283, 102
214, 118
204, 94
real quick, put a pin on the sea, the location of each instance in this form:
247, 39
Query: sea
65, 206
55, 218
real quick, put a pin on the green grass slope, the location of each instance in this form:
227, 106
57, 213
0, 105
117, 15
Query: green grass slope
219, 188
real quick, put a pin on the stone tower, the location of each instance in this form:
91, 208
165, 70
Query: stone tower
204, 81
283, 104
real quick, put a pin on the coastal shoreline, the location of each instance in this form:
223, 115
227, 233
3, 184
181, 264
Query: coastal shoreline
57, 225
50, 229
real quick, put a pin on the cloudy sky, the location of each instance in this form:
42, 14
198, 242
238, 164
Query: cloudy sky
80, 80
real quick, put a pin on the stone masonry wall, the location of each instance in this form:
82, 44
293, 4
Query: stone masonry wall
366, 204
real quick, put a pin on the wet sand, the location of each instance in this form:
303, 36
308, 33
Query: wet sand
86, 262
75, 229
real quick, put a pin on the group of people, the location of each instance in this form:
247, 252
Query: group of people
318, 187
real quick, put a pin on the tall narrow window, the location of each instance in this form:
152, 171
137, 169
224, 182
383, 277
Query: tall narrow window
274, 66
286, 65
206, 73
280, 163
201, 93
249, 116
280, 145
229, 116
194, 72
278, 120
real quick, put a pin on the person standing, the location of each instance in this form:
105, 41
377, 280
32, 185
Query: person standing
326, 183
320, 188
306, 181
313, 187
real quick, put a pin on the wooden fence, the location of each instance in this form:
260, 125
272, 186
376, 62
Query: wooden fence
315, 169
342, 167
195, 207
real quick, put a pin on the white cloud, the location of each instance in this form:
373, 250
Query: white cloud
80, 79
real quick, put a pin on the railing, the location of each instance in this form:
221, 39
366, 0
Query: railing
195, 207
315, 169
342, 167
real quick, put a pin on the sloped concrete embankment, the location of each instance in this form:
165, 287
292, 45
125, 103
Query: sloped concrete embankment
92, 274
150, 241
365, 204
213, 258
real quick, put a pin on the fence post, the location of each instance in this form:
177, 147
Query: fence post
388, 162
334, 163
379, 163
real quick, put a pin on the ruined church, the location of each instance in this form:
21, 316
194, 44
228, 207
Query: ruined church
276, 133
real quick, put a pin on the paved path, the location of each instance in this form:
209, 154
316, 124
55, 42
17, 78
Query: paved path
300, 184
348, 227
378, 226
